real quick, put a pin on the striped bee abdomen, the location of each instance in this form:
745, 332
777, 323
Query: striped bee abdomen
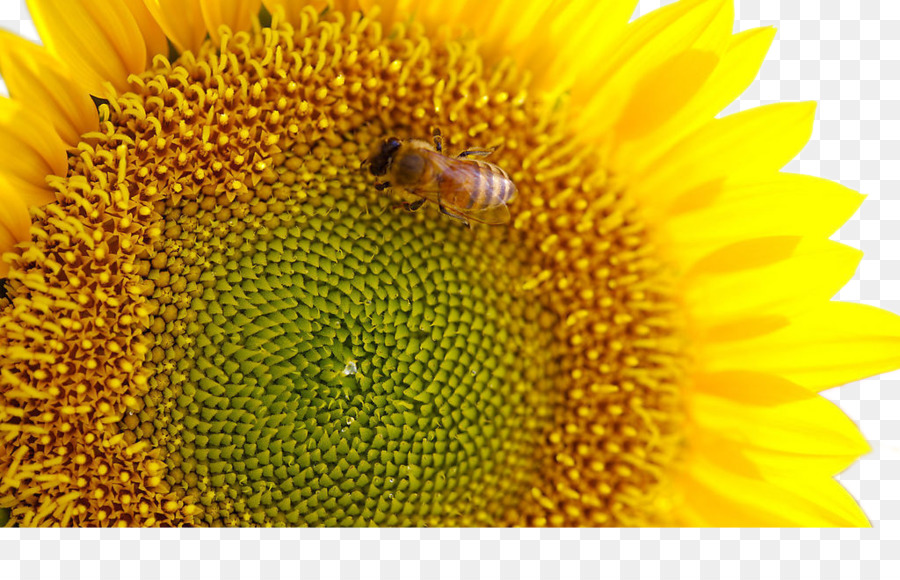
490, 185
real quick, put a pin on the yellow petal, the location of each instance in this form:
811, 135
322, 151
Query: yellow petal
663, 92
750, 143
570, 29
823, 347
522, 31
7, 243
14, 217
181, 20
154, 37
717, 214
749, 388
236, 14
737, 67
34, 77
746, 255
454, 19
504, 27
293, 8
796, 438
98, 41
14, 221
643, 51
30, 150
717, 497
812, 274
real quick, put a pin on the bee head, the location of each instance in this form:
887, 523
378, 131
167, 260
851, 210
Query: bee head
380, 162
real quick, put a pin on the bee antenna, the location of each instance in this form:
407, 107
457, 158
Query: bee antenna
438, 139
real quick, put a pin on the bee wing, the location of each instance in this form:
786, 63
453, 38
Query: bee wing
494, 215
454, 189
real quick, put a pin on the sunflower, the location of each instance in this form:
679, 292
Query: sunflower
211, 316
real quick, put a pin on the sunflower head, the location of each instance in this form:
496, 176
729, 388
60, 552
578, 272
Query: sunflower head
216, 315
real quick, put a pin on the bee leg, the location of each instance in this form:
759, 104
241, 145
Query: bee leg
414, 205
454, 216
382, 186
475, 153
410, 206
438, 139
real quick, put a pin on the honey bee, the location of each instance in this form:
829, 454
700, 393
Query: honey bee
463, 188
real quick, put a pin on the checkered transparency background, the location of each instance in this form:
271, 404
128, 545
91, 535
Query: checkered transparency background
843, 54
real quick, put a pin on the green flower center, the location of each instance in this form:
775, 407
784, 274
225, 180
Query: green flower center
331, 360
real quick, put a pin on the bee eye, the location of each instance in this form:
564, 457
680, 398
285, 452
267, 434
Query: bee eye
391, 146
